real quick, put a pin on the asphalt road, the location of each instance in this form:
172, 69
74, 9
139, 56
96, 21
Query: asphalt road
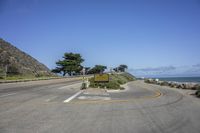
58, 106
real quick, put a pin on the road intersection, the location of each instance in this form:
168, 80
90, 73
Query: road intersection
63, 108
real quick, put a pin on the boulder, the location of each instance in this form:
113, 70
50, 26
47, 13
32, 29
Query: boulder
164, 83
189, 86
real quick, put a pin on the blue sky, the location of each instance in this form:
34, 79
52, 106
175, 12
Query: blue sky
153, 37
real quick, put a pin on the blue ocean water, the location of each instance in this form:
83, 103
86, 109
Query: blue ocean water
182, 79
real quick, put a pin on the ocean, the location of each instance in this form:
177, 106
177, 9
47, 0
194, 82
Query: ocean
181, 79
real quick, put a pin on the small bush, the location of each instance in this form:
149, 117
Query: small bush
121, 82
2, 73
114, 83
197, 93
197, 87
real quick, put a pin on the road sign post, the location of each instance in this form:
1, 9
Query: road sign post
84, 84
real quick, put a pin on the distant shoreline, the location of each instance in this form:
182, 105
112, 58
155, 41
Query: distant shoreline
181, 79
181, 83
189, 79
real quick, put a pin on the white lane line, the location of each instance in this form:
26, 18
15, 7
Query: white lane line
93, 98
67, 86
72, 97
101, 94
8, 95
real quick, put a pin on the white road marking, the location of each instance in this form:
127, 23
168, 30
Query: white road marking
67, 86
113, 91
72, 97
93, 98
102, 94
8, 95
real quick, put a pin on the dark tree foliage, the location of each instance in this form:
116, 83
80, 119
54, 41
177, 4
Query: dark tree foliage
71, 63
121, 68
12, 70
97, 69
87, 70
116, 69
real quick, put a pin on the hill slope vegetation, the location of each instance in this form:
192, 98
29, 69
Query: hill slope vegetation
19, 62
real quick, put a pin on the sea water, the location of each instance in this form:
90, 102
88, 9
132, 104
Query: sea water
181, 79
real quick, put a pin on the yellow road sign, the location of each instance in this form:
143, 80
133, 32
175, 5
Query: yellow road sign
101, 77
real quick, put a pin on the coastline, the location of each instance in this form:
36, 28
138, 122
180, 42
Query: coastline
180, 79
177, 85
174, 84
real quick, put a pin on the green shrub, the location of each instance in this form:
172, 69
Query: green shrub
115, 81
1, 73
128, 76
13, 70
121, 82
112, 85
39, 75
197, 93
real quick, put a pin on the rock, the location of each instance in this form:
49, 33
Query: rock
164, 83
173, 85
189, 86
179, 86
159, 82
196, 87
151, 81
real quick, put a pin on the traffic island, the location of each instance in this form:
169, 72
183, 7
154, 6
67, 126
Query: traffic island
111, 81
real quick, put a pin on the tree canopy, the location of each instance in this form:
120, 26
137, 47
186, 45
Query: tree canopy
121, 68
97, 69
71, 63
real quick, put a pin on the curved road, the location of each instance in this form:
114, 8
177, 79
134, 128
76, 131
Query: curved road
58, 106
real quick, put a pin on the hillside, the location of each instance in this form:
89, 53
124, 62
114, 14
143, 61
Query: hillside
19, 62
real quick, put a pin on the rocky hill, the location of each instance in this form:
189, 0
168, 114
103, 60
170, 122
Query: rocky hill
19, 62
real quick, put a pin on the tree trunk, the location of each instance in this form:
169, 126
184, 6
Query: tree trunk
70, 73
64, 73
